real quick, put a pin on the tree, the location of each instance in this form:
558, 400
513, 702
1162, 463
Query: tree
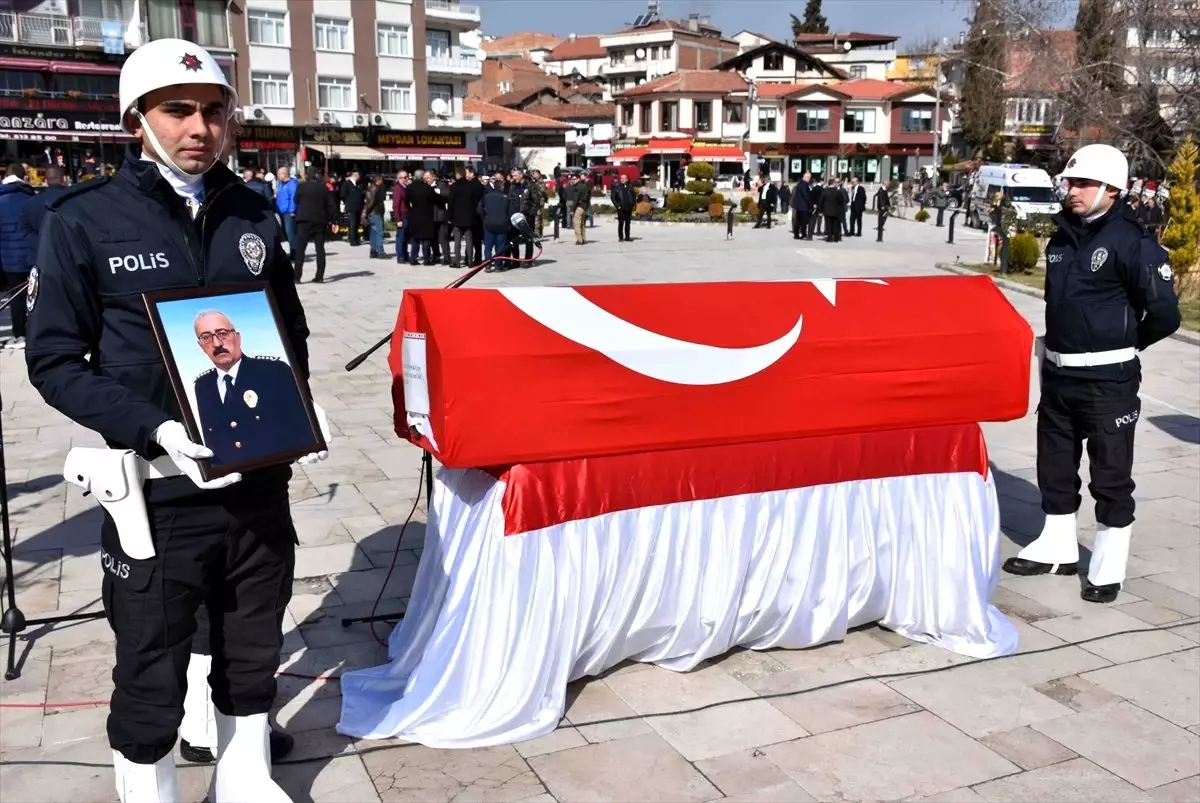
983, 87
1099, 70
814, 21
1181, 237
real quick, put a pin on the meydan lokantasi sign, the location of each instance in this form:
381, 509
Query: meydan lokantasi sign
487, 377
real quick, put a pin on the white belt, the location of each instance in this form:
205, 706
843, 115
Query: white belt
1091, 358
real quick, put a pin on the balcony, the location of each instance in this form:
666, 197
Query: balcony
456, 119
453, 65
447, 11
53, 30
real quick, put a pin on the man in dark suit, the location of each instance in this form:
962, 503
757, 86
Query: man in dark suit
352, 195
833, 207
801, 208
858, 203
249, 407
422, 200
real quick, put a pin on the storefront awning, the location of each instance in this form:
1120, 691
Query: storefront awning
445, 154
716, 153
669, 145
361, 152
79, 68
628, 155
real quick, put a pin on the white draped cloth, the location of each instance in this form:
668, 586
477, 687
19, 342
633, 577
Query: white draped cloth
500, 623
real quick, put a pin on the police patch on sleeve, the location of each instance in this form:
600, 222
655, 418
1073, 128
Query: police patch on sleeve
254, 251
31, 289
1099, 257
1164, 272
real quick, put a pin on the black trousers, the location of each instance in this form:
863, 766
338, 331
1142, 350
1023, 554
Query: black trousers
883, 216
306, 233
833, 228
856, 217
1102, 413
624, 219
815, 224
800, 225
236, 556
20, 314
353, 215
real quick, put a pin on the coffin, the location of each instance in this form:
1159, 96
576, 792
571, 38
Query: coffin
495, 377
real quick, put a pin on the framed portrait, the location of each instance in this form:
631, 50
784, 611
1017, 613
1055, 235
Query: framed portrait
232, 370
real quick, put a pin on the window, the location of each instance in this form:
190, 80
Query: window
669, 115
395, 96
270, 89
773, 61
812, 119
919, 65
766, 119
647, 120
616, 58
858, 71
437, 44
703, 112
391, 40
916, 120
859, 121
266, 27
336, 94
627, 114
332, 34
102, 9
444, 92
733, 112
206, 28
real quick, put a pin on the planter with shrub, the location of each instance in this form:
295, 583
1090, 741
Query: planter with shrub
921, 216
1023, 252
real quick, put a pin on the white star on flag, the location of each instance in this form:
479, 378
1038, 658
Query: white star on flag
828, 287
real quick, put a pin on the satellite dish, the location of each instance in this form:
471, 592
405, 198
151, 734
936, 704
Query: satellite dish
640, 52
481, 55
440, 107
846, 46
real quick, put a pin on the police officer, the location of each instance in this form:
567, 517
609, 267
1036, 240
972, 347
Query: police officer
172, 217
1109, 294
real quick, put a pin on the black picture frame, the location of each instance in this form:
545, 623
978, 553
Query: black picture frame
276, 434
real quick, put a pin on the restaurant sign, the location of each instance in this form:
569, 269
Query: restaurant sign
58, 126
429, 140
267, 138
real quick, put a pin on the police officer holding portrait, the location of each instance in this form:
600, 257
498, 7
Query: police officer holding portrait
1109, 294
172, 217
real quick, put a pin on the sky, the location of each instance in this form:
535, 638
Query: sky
909, 19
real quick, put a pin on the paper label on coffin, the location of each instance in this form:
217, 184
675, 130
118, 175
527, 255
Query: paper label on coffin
534, 374
416, 384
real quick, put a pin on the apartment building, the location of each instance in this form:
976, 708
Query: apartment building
355, 82
576, 55
60, 63
654, 48
1160, 48
776, 62
860, 55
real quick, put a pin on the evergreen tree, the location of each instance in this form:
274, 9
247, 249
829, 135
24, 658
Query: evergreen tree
983, 100
814, 21
1097, 97
1182, 234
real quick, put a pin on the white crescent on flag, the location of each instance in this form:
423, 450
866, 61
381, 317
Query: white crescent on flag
564, 311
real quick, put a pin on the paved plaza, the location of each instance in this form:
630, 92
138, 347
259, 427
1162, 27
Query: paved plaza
1080, 714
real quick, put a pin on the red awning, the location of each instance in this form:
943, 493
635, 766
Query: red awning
11, 63
445, 154
81, 68
717, 153
628, 155
669, 145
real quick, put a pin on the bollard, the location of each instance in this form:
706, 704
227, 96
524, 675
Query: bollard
953, 216
1003, 251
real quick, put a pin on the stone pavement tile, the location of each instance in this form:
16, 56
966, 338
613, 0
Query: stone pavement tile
638, 768
1130, 742
954, 695
80, 681
1144, 588
413, 773
1027, 748
856, 644
1061, 594
320, 531
1191, 632
964, 795
343, 779
1076, 693
34, 667
561, 738
906, 756
1019, 606
1167, 685
306, 711
321, 561
662, 691
590, 703
1135, 646
1186, 581
1092, 624
22, 728
913, 659
831, 696
74, 724
364, 586
1185, 791
747, 665
1068, 782
749, 775
1151, 613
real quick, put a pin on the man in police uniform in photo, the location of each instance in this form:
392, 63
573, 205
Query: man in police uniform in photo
249, 407
1110, 293
172, 217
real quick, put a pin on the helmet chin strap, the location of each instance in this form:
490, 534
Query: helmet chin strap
189, 179
1091, 212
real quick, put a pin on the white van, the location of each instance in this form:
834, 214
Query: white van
1030, 189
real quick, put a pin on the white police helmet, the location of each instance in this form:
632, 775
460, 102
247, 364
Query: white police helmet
1102, 163
162, 63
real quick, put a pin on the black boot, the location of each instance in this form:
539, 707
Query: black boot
1101, 594
281, 745
1027, 568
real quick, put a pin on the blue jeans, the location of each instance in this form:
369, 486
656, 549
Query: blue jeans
376, 233
289, 230
494, 243
401, 231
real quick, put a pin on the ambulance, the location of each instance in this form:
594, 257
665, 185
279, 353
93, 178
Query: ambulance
1030, 189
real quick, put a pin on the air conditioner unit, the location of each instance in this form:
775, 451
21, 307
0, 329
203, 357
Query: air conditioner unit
377, 119
360, 119
254, 113
327, 117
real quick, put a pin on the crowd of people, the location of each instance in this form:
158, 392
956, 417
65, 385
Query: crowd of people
832, 207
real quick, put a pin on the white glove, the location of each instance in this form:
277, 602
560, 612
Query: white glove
323, 422
173, 438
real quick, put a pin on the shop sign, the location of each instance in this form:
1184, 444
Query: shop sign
55, 124
267, 138
334, 136
597, 150
523, 140
60, 54
431, 140
65, 107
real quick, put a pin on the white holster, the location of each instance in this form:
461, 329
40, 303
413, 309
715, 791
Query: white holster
115, 477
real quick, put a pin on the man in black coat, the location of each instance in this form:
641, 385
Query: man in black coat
422, 201
883, 206
465, 195
624, 200
858, 204
314, 214
801, 208
441, 222
816, 218
352, 195
833, 207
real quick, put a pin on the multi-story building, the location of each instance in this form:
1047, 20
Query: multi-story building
1160, 48
357, 82
644, 52
779, 63
527, 45
861, 55
576, 55
1033, 84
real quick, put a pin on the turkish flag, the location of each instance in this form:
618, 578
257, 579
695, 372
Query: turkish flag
487, 377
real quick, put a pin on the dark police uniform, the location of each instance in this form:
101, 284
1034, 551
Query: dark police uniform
1109, 293
261, 414
103, 243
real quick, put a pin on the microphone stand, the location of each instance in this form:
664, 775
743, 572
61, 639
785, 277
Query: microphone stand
426, 455
14, 621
